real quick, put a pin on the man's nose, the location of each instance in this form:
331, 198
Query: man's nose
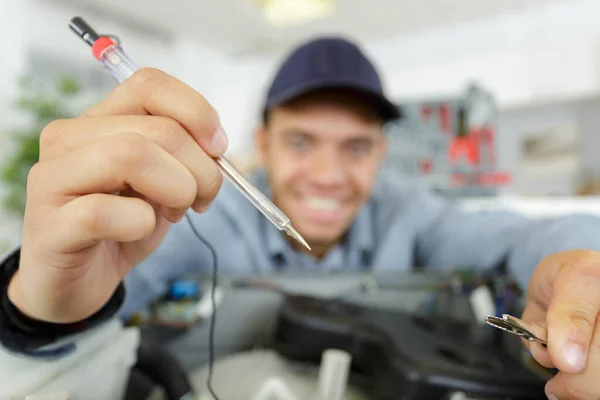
327, 168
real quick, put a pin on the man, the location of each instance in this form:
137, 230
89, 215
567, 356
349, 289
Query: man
152, 139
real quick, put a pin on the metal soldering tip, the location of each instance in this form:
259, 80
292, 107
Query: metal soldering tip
294, 234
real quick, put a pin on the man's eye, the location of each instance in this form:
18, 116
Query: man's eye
298, 144
358, 150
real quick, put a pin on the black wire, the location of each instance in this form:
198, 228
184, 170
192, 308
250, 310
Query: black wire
213, 317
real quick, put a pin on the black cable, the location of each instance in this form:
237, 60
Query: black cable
154, 361
213, 317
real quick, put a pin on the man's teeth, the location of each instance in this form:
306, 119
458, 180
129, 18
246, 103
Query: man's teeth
322, 203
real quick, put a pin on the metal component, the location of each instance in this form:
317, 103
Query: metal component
515, 326
83, 30
294, 234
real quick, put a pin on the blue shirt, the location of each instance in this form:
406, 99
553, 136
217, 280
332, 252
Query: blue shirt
402, 226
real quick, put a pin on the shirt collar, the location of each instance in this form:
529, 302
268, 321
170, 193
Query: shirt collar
361, 236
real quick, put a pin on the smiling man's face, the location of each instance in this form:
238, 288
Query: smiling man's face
322, 153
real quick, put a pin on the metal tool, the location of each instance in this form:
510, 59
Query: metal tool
516, 326
114, 59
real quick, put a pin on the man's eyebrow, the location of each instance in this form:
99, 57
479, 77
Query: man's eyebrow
298, 132
361, 138
353, 137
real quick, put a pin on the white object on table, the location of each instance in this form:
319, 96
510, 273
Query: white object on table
333, 374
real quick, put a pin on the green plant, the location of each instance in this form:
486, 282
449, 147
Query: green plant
41, 107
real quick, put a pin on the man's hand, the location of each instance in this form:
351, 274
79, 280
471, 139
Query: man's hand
564, 296
106, 188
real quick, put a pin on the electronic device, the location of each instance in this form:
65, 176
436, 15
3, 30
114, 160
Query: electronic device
401, 355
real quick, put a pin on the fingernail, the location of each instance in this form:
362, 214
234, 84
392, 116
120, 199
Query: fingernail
201, 208
574, 355
219, 141
552, 397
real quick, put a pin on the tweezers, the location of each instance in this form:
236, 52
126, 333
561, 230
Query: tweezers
515, 326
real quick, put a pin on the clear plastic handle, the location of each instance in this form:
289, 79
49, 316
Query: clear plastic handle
121, 67
114, 59
260, 201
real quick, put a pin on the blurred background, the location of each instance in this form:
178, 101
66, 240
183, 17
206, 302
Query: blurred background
519, 78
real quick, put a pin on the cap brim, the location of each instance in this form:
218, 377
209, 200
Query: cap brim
386, 109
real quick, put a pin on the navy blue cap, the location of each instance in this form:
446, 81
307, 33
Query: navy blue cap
330, 63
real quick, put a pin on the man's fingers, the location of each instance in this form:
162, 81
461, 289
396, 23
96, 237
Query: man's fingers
564, 387
96, 217
63, 136
150, 91
581, 386
534, 312
113, 164
572, 314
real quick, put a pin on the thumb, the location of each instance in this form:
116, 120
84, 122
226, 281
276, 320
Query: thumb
572, 313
